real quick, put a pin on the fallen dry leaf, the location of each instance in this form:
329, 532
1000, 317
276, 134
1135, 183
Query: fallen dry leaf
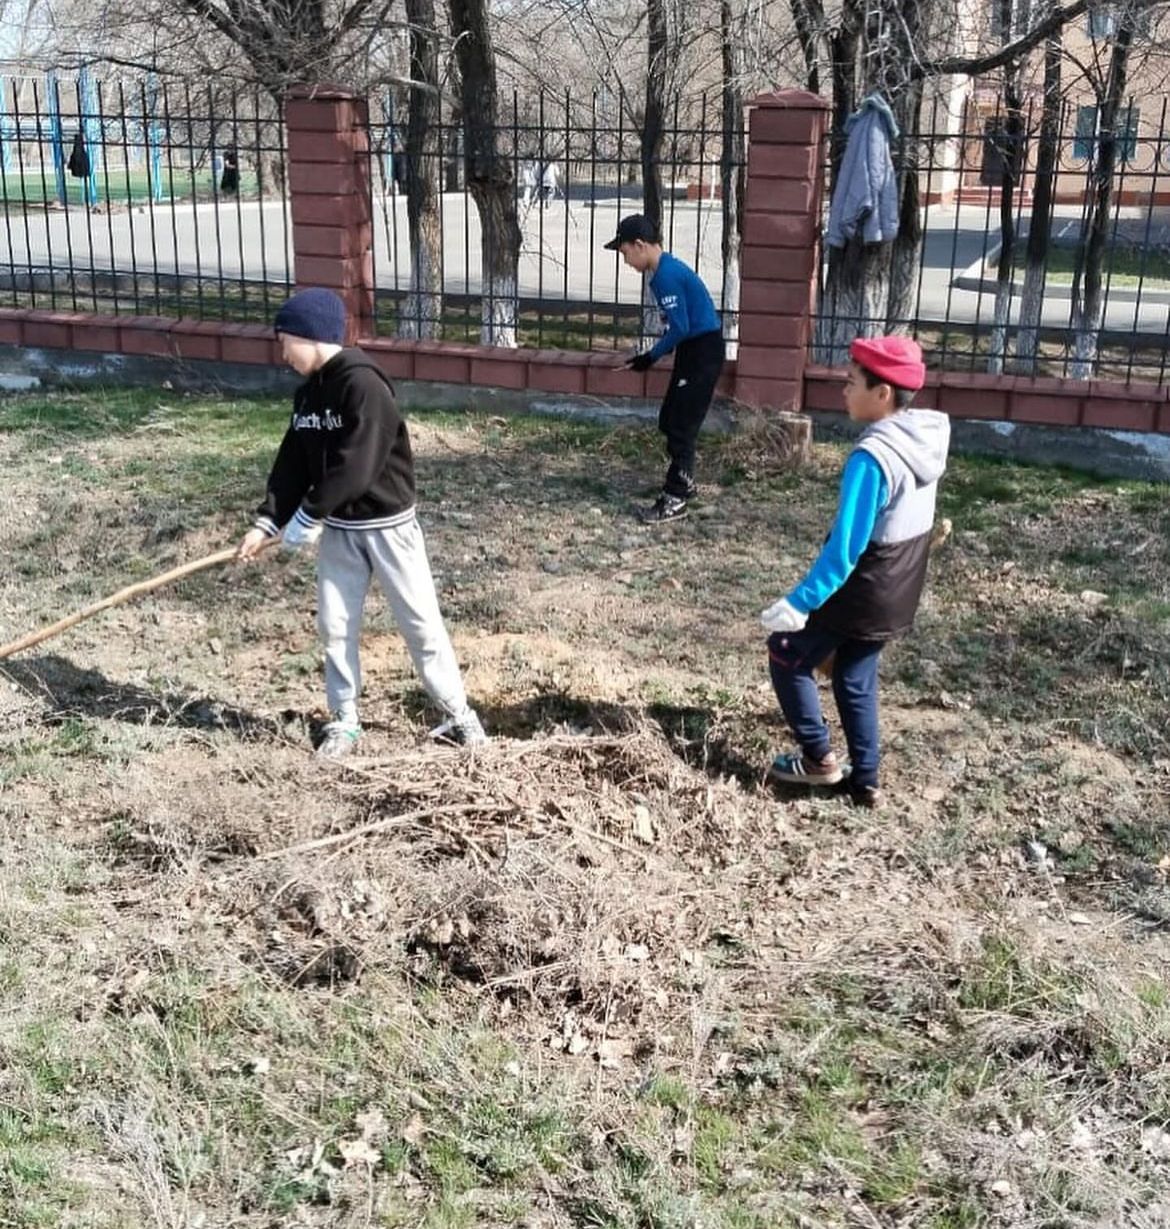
358, 1152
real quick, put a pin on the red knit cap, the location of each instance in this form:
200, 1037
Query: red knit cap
894, 360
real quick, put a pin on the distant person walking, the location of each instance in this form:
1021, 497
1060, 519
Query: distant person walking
528, 181
229, 184
548, 184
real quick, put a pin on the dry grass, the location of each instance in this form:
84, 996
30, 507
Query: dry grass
596, 973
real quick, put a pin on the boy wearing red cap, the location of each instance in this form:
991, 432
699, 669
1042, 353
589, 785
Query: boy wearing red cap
863, 590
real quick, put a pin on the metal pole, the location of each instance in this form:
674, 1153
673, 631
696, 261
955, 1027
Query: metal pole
7, 135
56, 136
92, 133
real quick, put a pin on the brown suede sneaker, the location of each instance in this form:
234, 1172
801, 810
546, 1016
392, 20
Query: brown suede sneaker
796, 768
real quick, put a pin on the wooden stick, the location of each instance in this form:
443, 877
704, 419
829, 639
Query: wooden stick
383, 825
118, 599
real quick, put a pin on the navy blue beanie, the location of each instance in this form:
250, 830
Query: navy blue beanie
316, 315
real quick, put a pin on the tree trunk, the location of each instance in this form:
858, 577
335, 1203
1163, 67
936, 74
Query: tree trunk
732, 167
422, 310
905, 262
654, 111
1088, 293
1040, 226
807, 18
653, 126
489, 173
1012, 138
870, 289
893, 45
840, 306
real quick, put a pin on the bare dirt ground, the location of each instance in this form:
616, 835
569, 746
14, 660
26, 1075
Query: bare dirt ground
597, 973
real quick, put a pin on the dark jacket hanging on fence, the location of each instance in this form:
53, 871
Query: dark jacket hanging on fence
79, 159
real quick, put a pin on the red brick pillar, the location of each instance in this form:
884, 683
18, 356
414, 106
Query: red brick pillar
781, 246
329, 191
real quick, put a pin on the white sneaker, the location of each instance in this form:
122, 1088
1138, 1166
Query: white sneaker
467, 730
339, 740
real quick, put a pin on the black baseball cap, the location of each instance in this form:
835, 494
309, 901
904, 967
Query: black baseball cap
631, 229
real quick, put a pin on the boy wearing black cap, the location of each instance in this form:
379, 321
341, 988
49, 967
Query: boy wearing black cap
864, 588
693, 333
344, 476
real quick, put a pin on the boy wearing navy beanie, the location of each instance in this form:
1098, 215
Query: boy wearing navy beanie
864, 588
344, 477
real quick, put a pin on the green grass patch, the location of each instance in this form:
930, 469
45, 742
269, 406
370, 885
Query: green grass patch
34, 184
1123, 265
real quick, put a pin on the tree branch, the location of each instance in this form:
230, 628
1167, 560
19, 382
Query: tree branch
973, 66
1056, 20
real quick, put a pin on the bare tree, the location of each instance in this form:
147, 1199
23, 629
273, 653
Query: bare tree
1088, 291
733, 18
490, 177
892, 48
808, 16
422, 310
869, 287
658, 51
28, 27
1007, 142
1043, 196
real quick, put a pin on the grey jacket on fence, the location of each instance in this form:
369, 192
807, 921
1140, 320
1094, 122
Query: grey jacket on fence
866, 195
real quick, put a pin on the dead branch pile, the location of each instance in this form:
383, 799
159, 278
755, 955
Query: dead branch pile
579, 871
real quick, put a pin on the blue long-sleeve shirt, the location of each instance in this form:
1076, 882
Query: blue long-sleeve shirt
685, 303
864, 494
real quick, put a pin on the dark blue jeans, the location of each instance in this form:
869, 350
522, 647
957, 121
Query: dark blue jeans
792, 656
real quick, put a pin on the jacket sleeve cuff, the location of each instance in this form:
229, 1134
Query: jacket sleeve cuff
304, 519
269, 526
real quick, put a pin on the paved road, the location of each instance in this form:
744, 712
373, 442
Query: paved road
563, 255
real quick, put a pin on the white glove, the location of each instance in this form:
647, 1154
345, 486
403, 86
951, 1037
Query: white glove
301, 531
782, 616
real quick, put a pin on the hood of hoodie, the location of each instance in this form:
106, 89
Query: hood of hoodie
344, 363
876, 107
919, 439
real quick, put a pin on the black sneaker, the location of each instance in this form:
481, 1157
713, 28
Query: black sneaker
664, 508
868, 796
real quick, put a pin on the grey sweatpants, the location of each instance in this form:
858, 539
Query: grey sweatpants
346, 560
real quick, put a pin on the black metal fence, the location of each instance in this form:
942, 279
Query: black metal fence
140, 197
576, 169
137, 196
978, 295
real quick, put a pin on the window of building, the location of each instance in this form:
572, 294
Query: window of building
1010, 18
1104, 20
1086, 134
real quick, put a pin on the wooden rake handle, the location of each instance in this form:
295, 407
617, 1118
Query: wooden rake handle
120, 598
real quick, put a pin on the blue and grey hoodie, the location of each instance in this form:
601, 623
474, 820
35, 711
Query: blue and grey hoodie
867, 581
